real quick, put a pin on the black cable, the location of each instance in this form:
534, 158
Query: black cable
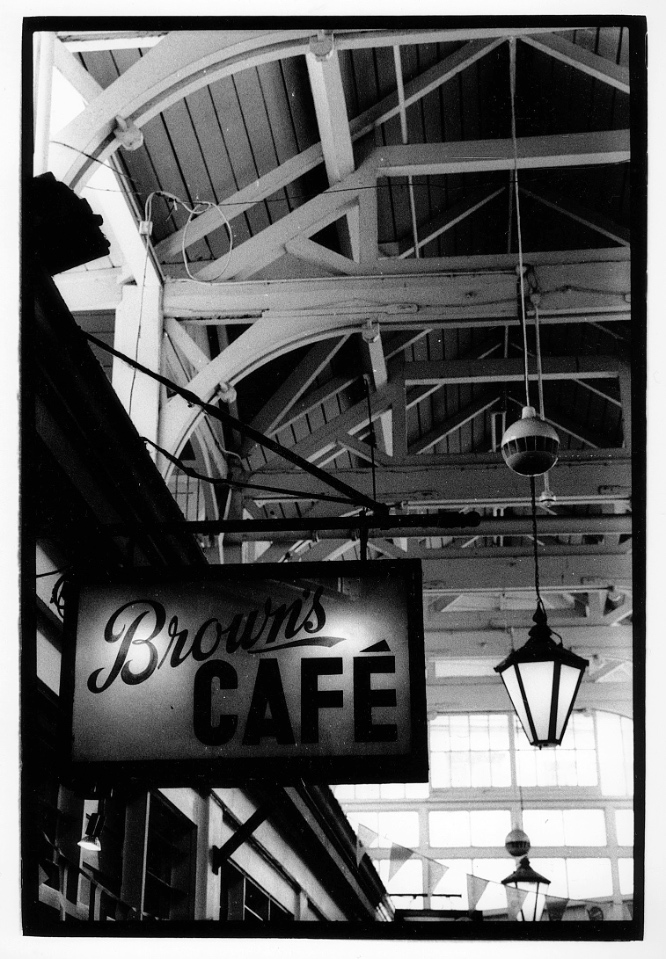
224, 481
356, 496
372, 437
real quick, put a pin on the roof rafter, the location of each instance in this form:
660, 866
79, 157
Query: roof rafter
578, 149
581, 59
297, 166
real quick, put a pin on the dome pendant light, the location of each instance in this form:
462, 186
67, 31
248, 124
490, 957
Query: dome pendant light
530, 445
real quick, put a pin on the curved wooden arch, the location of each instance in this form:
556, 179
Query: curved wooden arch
264, 341
185, 61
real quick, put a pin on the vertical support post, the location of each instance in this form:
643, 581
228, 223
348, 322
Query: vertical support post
138, 334
134, 852
43, 51
625, 396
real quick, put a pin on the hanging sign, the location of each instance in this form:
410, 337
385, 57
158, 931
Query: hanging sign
277, 672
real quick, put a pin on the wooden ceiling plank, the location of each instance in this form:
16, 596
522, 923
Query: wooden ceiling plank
580, 214
267, 246
422, 159
272, 416
446, 221
581, 59
461, 418
350, 421
301, 164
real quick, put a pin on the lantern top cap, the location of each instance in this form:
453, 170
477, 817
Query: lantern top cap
525, 873
541, 647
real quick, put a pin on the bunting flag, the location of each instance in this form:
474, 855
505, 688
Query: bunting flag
475, 889
556, 908
399, 856
437, 871
629, 906
514, 901
366, 835
365, 838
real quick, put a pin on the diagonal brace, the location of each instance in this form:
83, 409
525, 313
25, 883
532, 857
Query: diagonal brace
355, 496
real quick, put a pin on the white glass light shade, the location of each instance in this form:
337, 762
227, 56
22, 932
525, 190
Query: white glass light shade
530, 445
90, 840
542, 680
531, 882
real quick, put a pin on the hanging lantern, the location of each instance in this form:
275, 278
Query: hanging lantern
542, 679
527, 880
530, 445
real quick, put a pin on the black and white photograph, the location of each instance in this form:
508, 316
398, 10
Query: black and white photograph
334, 350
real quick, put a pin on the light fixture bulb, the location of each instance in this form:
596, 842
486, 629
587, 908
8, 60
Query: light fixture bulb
530, 445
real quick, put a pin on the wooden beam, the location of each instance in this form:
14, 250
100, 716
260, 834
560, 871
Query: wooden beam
556, 573
333, 123
454, 482
436, 159
581, 149
84, 290
581, 214
404, 247
321, 257
351, 421
486, 643
271, 417
301, 164
491, 370
261, 250
472, 284
581, 59
490, 696
453, 423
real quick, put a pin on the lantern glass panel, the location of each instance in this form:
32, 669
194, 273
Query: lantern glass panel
510, 679
569, 676
538, 685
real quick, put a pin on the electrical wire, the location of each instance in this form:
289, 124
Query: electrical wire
200, 207
237, 484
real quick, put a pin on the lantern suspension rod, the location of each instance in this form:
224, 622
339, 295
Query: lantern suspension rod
514, 140
534, 542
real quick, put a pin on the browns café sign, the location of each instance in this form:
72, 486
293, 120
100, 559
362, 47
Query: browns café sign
232, 673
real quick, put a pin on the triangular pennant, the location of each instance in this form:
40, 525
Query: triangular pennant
475, 889
366, 835
399, 856
514, 901
556, 908
437, 871
629, 906
381, 647
360, 851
